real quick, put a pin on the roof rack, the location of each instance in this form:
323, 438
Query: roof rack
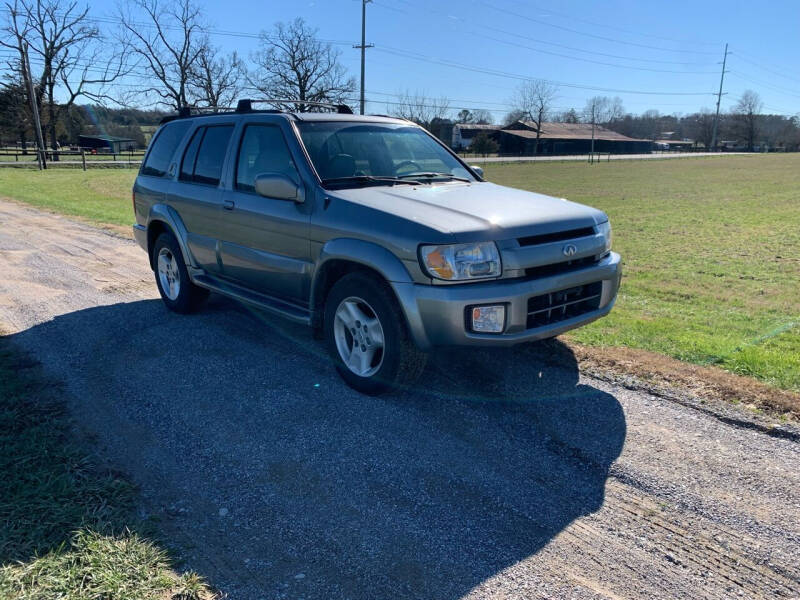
184, 112
246, 105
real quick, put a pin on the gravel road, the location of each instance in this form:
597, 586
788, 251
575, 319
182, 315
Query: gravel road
507, 474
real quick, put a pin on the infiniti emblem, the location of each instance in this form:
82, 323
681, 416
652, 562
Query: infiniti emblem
569, 250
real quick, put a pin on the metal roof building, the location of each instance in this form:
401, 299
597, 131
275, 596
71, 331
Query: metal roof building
106, 142
567, 138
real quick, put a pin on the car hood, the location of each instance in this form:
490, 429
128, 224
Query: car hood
476, 211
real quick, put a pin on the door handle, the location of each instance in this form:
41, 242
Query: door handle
228, 204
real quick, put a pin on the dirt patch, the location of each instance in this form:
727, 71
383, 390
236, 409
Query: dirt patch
656, 370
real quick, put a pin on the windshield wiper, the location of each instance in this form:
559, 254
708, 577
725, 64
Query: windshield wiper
369, 179
432, 174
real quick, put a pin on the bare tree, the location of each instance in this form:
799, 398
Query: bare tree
167, 46
482, 116
704, 123
67, 47
513, 116
293, 64
747, 114
534, 98
216, 80
568, 116
420, 109
602, 110
465, 116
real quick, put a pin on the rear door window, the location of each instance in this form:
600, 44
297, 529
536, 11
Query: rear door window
190, 156
164, 146
211, 154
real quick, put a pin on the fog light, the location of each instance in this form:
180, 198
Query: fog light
488, 319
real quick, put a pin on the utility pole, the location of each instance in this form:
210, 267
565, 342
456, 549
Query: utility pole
26, 72
719, 99
363, 46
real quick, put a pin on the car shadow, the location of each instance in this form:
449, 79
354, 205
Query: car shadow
274, 478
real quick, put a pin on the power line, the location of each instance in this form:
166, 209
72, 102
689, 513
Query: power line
620, 29
772, 86
592, 52
591, 35
738, 54
508, 75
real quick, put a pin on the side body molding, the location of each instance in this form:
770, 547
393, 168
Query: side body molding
170, 217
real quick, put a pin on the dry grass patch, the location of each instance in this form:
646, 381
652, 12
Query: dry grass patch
704, 382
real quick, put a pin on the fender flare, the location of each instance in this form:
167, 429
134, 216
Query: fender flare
170, 217
387, 265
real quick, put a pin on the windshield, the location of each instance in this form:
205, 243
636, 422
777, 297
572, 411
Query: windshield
354, 153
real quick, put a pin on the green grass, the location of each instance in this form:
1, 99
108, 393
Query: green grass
100, 196
64, 524
711, 251
711, 248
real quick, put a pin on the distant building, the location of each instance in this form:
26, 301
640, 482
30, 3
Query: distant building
464, 133
107, 143
567, 138
673, 144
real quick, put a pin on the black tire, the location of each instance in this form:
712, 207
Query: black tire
189, 297
402, 362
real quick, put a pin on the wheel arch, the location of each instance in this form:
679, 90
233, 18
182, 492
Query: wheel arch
345, 255
164, 219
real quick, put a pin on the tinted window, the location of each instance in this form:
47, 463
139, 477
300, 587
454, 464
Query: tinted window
211, 155
190, 156
263, 150
345, 149
160, 155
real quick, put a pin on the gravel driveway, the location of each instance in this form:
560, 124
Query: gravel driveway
507, 474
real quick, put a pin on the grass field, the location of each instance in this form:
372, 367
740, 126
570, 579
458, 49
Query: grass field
65, 523
101, 196
711, 248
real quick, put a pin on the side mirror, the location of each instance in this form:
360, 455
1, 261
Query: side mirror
478, 170
281, 187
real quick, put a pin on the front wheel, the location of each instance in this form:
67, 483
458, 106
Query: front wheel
367, 336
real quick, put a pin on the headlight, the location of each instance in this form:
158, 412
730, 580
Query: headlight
456, 262
605, 229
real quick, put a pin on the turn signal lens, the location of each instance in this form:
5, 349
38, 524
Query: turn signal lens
458, 262
488, 319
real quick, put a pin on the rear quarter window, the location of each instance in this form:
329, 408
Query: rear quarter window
163, 147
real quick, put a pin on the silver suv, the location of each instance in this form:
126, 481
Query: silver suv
367, 229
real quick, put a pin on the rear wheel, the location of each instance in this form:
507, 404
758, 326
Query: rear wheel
176, 289
367, 336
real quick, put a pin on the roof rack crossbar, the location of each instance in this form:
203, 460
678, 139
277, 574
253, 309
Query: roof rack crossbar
184, 112
246, 104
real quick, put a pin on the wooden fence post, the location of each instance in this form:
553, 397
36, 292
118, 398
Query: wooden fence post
83, 158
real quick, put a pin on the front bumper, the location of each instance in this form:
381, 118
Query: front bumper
435, 314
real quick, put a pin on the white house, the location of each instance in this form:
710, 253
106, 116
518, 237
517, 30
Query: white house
464, 133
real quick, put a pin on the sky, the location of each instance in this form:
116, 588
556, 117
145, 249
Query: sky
654, 55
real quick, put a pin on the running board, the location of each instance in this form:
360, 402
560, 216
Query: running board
262, 301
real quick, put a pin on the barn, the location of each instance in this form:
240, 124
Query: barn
107, 143
567, 138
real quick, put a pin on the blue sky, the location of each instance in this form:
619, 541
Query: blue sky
476, 52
